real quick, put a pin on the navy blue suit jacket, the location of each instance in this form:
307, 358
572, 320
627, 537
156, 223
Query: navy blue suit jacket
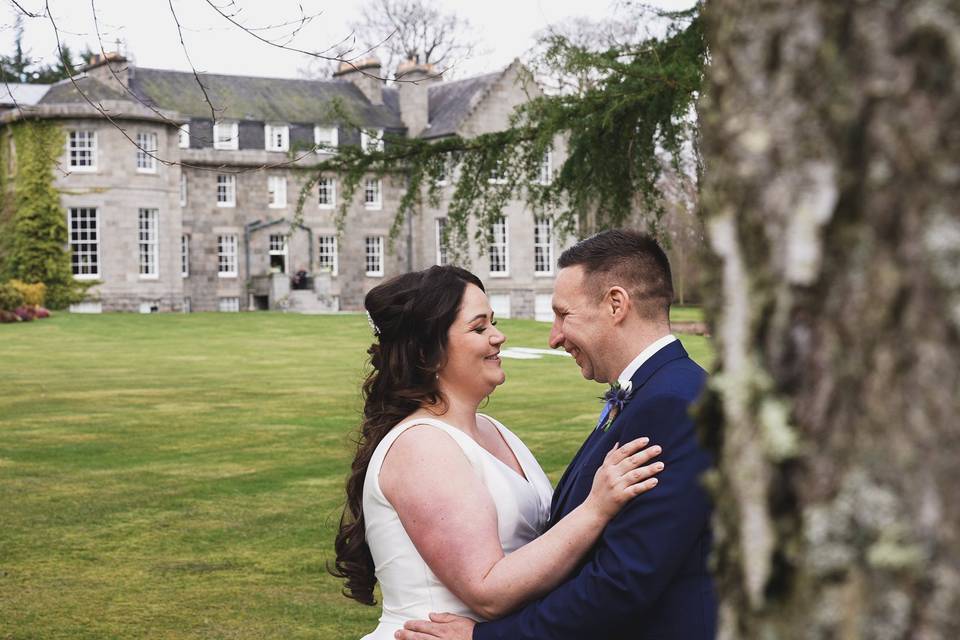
646, 577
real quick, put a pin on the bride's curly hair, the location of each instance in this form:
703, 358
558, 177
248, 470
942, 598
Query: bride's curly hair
412, 313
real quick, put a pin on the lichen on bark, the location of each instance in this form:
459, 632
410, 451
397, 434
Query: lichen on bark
830, 187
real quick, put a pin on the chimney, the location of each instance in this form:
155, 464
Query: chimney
112, 69
365, 74
413, 86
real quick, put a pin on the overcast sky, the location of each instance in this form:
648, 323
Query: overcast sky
505, 29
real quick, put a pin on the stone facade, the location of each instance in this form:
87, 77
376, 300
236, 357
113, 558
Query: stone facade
227, 246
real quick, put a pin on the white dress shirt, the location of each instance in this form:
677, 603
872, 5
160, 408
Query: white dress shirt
637, 362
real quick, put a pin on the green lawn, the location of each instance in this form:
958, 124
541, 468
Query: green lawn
686, 314
180, 476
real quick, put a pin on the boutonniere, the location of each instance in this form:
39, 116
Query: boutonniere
615, 397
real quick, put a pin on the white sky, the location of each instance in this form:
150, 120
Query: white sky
504, 28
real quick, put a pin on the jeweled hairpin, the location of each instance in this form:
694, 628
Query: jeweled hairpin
373, 325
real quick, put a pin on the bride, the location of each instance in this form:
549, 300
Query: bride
447, 508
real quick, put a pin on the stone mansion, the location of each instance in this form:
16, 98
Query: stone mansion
204, 222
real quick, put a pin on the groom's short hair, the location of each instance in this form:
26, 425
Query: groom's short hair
630, 259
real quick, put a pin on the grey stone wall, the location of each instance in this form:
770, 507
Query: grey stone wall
117, 190
521, 284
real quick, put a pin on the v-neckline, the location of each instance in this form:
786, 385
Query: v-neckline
522, 474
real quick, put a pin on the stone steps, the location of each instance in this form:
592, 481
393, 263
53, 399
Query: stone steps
305, 301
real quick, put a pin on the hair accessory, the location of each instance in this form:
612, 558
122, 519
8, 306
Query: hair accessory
373, 325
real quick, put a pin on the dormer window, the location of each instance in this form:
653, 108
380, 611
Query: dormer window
326, 139
277, 137
183, 136
226, 136
371, 140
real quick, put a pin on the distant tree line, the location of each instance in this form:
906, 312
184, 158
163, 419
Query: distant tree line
19, 66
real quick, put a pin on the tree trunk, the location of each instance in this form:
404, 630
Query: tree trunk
831, 144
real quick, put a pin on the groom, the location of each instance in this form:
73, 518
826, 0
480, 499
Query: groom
647, 576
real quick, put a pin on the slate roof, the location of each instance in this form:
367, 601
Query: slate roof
276, 99
64, 91
262, 99
451, 103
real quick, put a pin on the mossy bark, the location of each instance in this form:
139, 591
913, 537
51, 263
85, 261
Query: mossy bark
831, 147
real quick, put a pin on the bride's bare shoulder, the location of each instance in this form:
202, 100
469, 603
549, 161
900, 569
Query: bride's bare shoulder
423, 451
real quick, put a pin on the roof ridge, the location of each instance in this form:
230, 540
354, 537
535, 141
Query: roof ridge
248, 77
480, 97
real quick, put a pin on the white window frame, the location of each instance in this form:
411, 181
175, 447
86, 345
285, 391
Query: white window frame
184, 255
277, 191
151, 306
276, 137
183, 188
447, 168
331, 257
227, 255
440, 225
546, 169
371, 140
84, 243
497, 174
331, 185
83, 148
328, 144
146, 145
183, 136
228, 304
279, 245
226, 135
229, 183
148, 243
542, 248
373, 194
499, 246
87, 306
376, 244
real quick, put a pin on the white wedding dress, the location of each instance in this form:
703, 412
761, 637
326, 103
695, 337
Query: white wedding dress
410, 589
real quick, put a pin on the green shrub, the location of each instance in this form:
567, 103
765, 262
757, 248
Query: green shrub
33, 294
10, 297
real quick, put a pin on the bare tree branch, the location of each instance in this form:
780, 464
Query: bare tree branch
203, 89
127, 89
24, 11
421, 30
313, 54
151, 153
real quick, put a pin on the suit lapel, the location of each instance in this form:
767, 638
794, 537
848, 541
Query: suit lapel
672, 351
569, 477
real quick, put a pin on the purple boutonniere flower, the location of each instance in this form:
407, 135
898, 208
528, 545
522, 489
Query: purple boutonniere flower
615, 397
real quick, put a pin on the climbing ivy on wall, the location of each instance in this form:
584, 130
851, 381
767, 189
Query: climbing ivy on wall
33, 227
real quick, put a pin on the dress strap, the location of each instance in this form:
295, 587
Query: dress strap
466, 443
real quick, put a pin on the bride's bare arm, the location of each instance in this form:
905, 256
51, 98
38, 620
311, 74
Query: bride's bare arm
451, 519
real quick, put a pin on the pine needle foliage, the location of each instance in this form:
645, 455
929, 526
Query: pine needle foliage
615, 132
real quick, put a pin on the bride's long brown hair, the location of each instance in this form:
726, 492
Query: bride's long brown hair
413, 313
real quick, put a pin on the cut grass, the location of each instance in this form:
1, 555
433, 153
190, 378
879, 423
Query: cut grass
181, 476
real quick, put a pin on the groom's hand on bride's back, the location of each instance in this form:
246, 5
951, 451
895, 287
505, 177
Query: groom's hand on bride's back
441, 625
